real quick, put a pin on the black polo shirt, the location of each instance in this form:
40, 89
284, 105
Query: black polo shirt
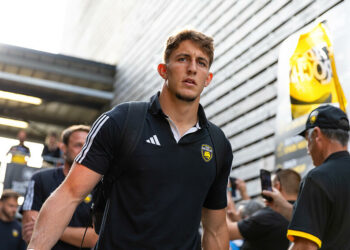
322, 211
157, 201
41, 185
11, 236
264, 230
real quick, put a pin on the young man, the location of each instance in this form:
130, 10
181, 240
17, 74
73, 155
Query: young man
20, 153
267, 229
10, 229
43, 183
170, 182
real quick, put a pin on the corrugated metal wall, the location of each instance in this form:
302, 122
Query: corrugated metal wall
242, 96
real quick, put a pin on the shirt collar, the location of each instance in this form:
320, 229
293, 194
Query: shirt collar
337, 155
156, 109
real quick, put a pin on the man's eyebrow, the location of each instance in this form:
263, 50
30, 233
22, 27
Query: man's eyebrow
188, 55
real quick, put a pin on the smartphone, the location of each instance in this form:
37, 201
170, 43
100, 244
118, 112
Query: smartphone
265, 179
233, 186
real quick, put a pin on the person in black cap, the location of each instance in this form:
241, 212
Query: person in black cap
321, 217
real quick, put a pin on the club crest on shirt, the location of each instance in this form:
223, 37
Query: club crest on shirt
15, 233
207, 152
88, 198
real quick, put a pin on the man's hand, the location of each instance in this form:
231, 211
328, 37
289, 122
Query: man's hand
28, 221
27, 230
279, 203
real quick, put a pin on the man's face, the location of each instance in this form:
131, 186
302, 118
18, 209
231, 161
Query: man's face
187, 71
75, 143
9, 208
313, 149
22, 136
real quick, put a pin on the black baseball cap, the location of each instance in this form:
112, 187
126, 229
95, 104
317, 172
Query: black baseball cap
326, 116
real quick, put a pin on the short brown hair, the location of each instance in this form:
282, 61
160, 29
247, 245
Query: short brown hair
70, 130
9, 193
289, 180
204, 41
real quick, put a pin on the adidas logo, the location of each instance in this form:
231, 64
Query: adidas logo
153, 140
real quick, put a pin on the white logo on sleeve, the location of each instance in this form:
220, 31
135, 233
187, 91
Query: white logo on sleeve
153, 140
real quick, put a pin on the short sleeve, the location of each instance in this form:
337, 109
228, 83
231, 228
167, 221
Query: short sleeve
100, 148
216, 197
310, 213
34, 198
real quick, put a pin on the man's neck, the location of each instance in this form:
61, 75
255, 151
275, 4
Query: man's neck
4, 218
66, 168
183, 114
333, 147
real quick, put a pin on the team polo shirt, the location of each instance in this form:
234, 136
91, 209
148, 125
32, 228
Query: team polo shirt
11, 236
41, 185
156, 202
322, 211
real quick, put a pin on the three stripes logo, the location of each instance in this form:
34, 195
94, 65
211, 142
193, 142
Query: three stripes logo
153, 140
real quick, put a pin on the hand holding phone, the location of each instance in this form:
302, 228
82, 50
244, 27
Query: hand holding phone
265, 179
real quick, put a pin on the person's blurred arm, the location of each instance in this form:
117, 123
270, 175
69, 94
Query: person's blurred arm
58, 209
279, 203
232, 213
215, 231
233, 230
242, 188
28, 221
74, 236
303, 244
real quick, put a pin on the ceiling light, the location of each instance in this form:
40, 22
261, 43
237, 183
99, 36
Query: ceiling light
13, 123
20, 98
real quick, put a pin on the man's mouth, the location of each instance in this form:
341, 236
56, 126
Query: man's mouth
190, 81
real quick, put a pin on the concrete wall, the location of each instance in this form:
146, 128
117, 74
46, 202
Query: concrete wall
242, 96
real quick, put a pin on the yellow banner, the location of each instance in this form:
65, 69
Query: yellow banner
313, 77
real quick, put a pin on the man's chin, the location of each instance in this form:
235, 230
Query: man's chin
185, 98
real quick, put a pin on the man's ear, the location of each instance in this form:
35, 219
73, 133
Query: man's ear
277, 185
317, 135
209, 78
63, 147
162, 71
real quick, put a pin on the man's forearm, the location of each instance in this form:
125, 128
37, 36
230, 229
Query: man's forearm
216, 240
53, 217
303, 244
74, 236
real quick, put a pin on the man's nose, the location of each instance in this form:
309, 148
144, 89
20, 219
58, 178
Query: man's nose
192, 67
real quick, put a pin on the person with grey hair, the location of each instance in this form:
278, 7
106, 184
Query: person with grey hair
266, 229
321, 217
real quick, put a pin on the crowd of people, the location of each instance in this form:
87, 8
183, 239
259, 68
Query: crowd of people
173, 173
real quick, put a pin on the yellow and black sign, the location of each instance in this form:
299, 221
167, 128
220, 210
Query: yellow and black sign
313, 77
207, 152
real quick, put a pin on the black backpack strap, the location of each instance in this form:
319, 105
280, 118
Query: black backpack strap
218, 139
131, 134
132, 130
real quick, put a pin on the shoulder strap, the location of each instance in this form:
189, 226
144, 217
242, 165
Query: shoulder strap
131, 133
132, 128
218, 139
